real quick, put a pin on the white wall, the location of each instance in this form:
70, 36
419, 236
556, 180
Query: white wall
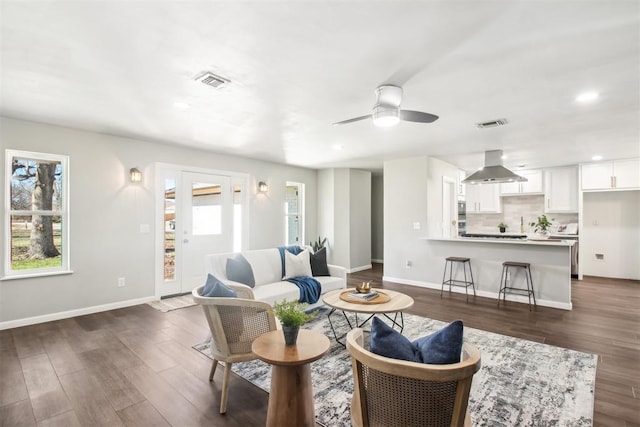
345, 217
106, 212
413, 194
325, 210
377, 218
611, 227
405, 202
359, 219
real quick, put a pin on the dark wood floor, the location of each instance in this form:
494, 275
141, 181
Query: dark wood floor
135, 366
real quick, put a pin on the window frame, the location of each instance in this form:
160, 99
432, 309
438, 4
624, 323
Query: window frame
63, 213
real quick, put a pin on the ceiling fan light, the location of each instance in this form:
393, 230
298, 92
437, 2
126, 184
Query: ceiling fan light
385, 116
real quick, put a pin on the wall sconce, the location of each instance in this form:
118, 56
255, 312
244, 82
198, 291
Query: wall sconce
262, 187
136, 175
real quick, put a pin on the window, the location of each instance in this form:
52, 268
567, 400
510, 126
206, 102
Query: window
36, 214
294, 211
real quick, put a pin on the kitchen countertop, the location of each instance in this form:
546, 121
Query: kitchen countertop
546, 242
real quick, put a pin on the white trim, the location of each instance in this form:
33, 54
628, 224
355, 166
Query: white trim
40, 274
361, 268
378, 261
486, 294
73, 313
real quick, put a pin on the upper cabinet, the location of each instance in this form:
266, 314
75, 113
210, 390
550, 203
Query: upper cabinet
483, 198
561, 189
612, 175
532, 186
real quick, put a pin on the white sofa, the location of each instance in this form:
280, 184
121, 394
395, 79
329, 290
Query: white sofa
267, 271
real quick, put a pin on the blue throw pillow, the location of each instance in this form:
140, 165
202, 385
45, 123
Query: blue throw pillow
388, 342
215, 288
439, 348
239, 270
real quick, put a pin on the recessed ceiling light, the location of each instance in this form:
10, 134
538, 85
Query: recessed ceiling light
587, 97
503, 157
181, 105
337, 147
596, 158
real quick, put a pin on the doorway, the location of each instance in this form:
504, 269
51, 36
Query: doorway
201, 213
449, 207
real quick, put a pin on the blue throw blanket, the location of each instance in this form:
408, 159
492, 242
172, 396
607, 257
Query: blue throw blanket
309, 287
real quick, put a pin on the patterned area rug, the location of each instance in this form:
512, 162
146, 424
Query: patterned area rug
173, 303
521, 383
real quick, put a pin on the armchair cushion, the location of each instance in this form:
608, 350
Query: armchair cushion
239, 270
439, 348
215, 288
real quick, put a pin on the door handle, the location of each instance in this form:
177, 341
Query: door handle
185, 241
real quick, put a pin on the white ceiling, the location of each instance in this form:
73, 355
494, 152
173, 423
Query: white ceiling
298, 66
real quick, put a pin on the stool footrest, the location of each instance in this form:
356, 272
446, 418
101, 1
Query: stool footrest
461, 283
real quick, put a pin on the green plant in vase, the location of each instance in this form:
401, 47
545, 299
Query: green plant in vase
541, 226
319, 244
503, 227
292, 316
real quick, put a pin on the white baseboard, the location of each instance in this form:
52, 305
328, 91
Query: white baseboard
378, 261
73, 313
361, 268
486, 294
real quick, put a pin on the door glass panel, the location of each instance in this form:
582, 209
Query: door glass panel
206, 209
169, 229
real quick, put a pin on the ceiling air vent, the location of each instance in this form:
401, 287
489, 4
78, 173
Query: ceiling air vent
212, 80
492, 124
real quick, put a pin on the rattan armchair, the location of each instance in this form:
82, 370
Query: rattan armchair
234, 324
390, 392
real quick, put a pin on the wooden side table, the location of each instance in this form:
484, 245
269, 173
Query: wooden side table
291, 394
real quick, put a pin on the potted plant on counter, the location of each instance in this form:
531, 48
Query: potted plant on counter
291, 315
503, 227
541, 227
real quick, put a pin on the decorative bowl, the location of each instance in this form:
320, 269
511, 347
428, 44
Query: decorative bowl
364, 287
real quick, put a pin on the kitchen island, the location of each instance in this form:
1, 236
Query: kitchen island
550, 265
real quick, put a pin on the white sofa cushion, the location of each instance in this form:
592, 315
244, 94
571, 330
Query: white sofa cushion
330, 283
276, 292
266, 265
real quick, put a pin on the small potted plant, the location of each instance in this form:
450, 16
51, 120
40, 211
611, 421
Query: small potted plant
503, 227
292, 315
541, 226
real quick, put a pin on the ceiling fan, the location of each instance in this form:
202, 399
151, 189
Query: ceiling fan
386, 112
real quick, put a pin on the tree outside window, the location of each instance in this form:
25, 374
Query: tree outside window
37, 213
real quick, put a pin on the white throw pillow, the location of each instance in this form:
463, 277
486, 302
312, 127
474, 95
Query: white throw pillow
296, 265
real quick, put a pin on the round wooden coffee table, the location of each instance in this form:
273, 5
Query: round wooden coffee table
291, 394
397, 302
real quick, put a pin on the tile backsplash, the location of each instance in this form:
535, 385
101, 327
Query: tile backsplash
513, 208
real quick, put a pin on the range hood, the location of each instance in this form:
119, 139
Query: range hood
493, 172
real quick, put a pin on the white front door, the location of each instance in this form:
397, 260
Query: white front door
207, 223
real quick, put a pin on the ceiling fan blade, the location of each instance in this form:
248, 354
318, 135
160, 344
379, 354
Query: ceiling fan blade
417, 116
344, 122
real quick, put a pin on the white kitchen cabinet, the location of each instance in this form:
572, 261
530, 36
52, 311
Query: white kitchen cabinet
461, 176
483, 198
612, 175
532, 186
561, 189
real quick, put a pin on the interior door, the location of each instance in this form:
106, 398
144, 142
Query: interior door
207, 223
